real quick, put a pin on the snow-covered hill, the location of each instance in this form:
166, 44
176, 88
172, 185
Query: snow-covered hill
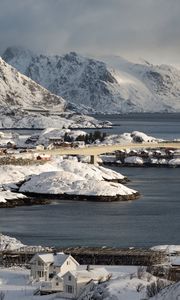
113, 85
22, 100
9, 243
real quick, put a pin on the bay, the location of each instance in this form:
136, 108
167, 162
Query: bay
152, 219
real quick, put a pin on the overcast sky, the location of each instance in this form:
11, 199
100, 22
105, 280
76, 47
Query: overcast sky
134, 29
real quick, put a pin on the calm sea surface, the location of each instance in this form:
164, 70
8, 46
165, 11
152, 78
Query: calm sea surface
166, 126
153, 219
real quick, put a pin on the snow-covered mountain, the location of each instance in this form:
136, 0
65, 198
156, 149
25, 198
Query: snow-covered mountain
20, 92
26, 104
112, 85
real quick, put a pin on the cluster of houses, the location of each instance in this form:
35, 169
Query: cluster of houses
166, 153
58, 142
8, 143
61, 273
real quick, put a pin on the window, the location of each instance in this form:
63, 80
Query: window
69, 289
45, 275
40, 273
69, 277
57, 283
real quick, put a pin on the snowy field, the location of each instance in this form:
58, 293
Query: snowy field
15, 284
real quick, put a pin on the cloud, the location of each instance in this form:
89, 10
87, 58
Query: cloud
131, 28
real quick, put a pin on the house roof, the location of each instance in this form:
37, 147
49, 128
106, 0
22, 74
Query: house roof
95, 274
46, 257
57, 259
11, 142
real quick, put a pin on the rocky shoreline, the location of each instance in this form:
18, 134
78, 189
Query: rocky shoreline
145, 165
44, 199
29, 201
92, 198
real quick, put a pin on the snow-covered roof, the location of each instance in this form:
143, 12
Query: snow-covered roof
45, 257
95, 274
57, 259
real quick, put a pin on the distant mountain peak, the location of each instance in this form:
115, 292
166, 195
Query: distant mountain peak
16, 51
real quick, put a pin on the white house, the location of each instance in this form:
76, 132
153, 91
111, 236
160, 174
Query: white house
79, 282
45, 266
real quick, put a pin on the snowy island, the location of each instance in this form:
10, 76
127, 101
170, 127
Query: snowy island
62, 179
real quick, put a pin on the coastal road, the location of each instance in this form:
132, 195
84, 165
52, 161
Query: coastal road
101, 149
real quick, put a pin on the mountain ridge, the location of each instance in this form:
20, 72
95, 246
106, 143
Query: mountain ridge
113, 85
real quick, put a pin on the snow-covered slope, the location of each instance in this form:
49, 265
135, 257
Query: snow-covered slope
19, 91
129, 137
171, 292
113, 85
